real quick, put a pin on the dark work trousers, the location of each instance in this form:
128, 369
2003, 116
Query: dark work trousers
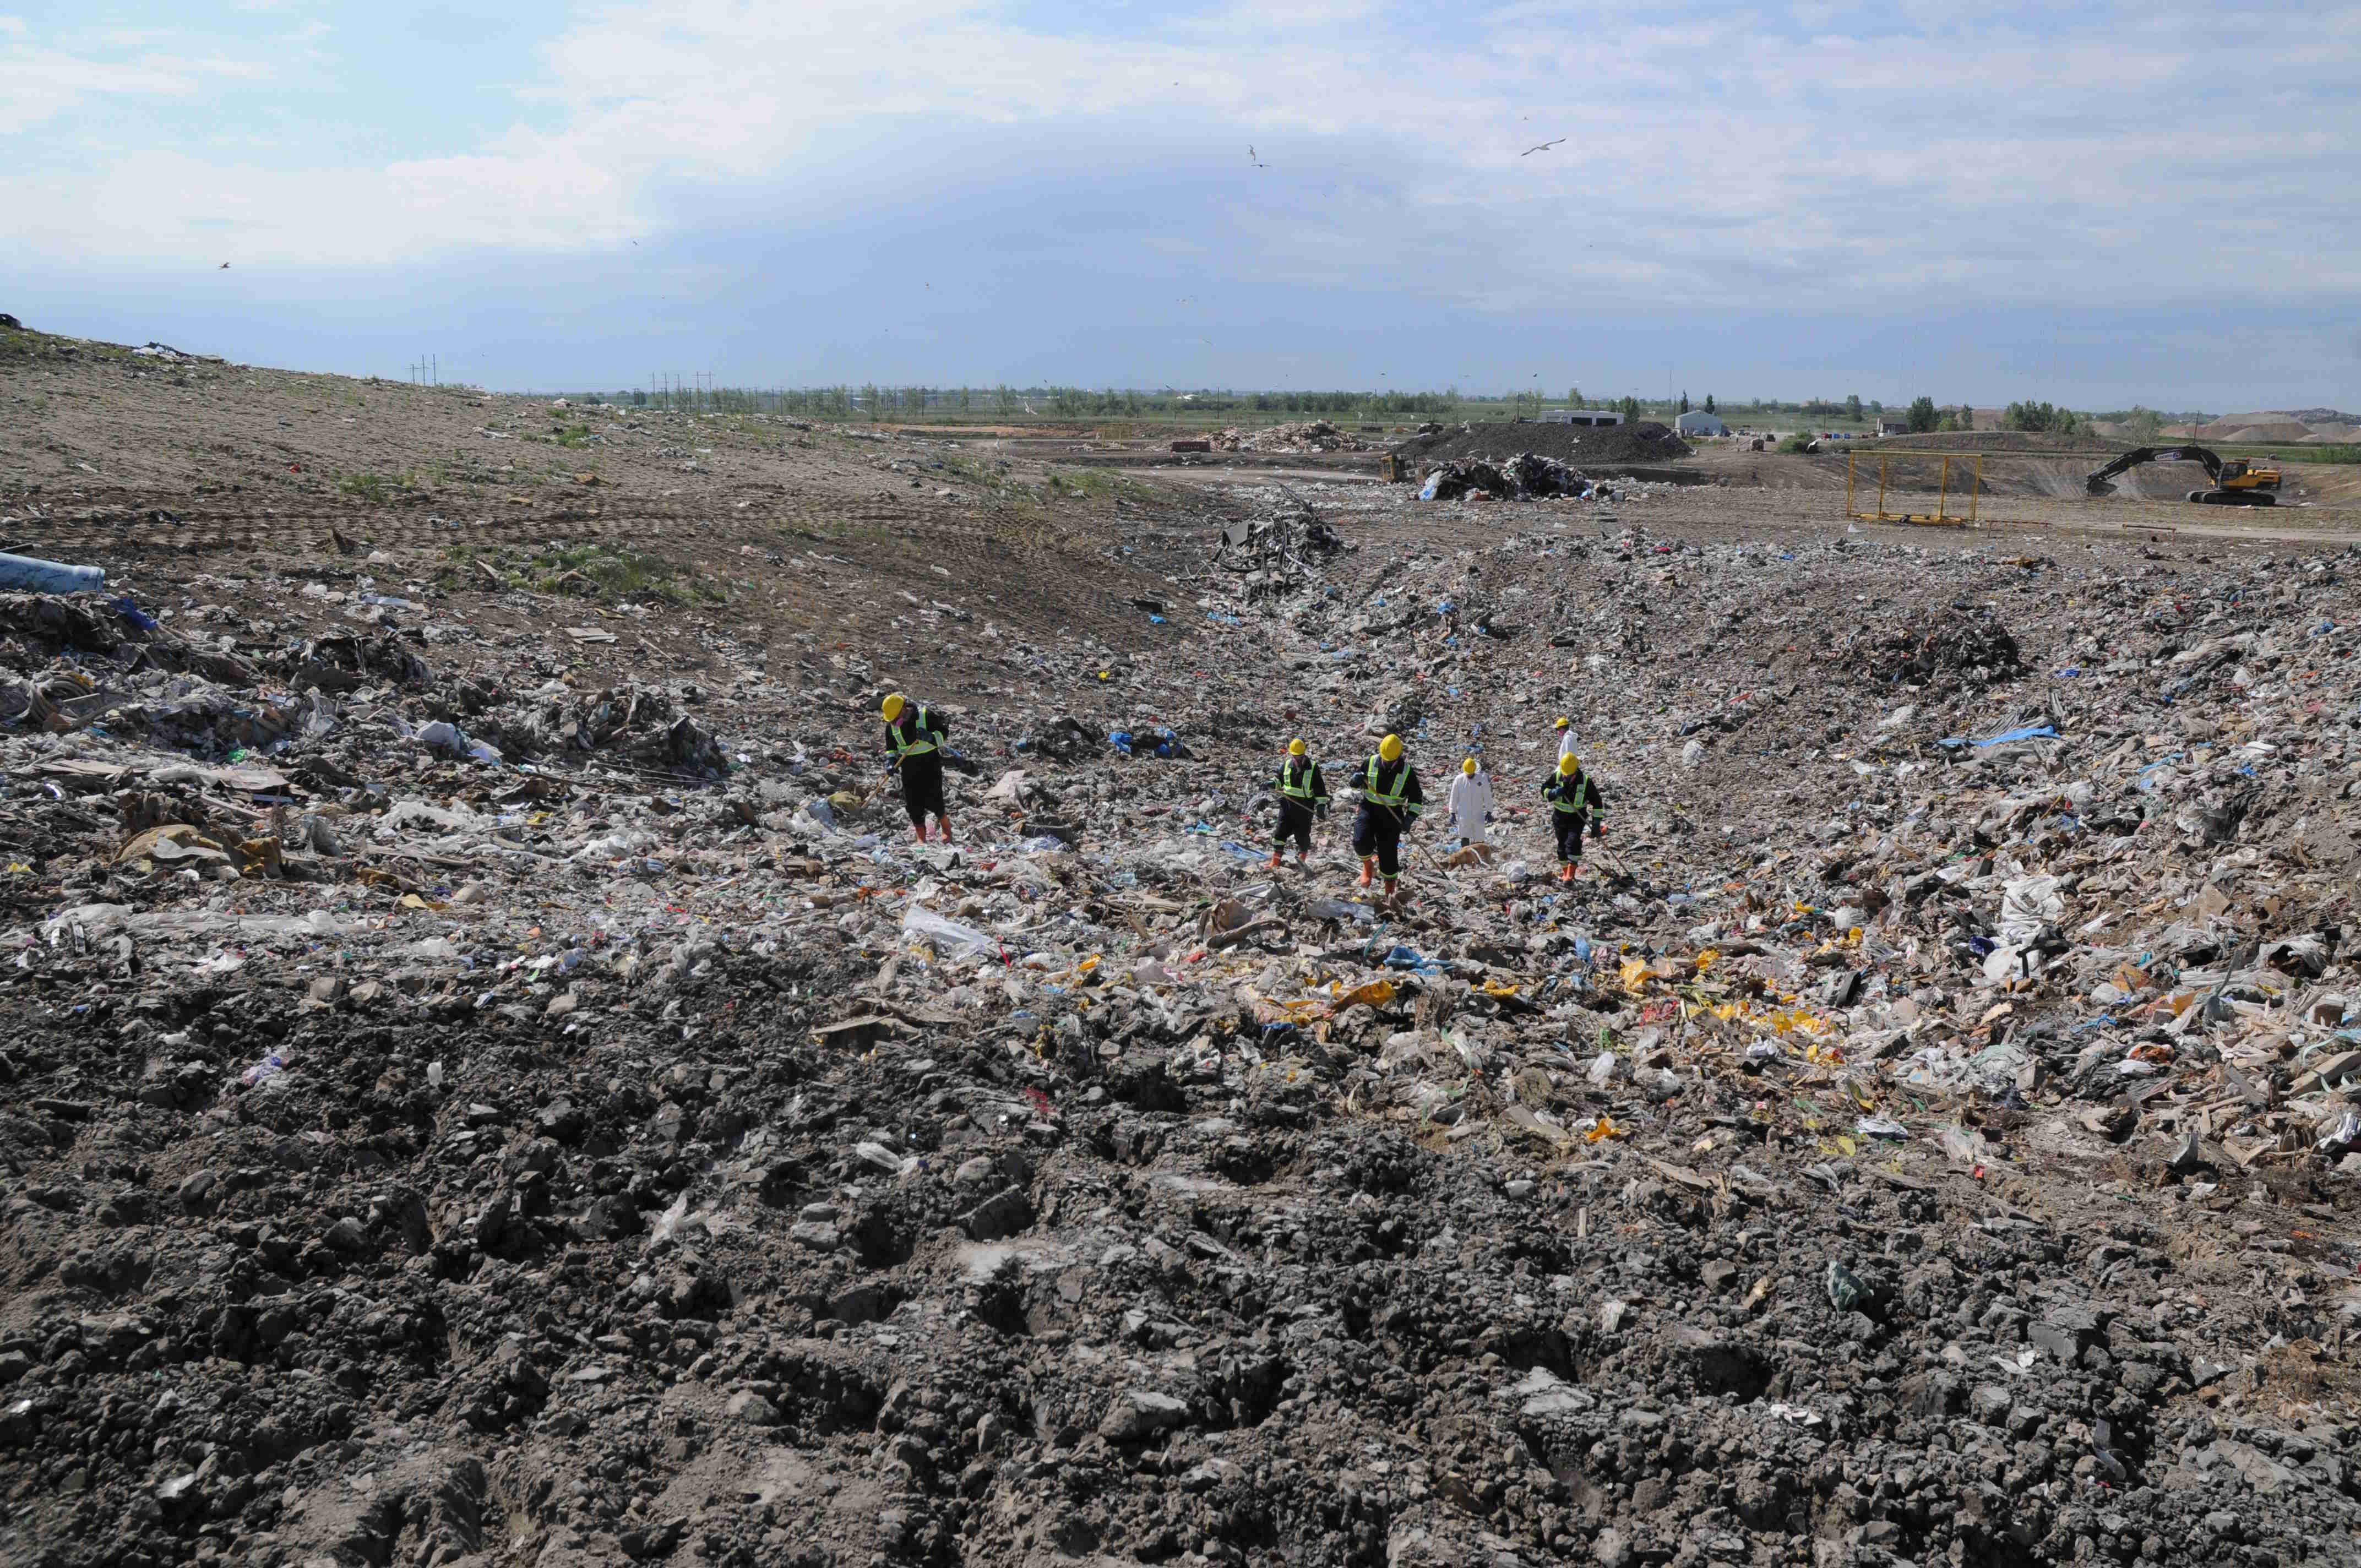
1377, 832
1294, 822
1569, 837
922, 786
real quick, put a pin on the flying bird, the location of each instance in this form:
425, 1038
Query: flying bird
225, 266
1544, 148
1257, 162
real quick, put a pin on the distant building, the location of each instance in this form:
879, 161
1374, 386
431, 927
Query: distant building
1696, 422
1578, 416
1892, 424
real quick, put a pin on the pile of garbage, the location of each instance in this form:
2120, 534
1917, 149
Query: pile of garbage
1595, 446
1526, 477
1277, 552
1961, 645
1311, 435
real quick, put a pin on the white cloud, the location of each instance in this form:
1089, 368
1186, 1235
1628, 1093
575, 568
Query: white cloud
1828, 151
43, 83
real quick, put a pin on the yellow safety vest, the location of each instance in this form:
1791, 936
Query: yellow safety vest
1572, 792
921, 746
1294, 782
1369, 792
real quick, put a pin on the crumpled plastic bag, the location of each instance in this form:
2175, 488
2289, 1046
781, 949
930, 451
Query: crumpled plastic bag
950, 938
2026, 905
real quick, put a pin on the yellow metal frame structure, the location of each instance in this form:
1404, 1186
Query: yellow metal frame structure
1942, 515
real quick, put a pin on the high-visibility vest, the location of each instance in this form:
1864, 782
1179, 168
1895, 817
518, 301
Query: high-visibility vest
1572, 792
1295, 778
923, 743
1369, 791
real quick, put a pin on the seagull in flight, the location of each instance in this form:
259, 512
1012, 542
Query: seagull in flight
1544, 148
1257, 162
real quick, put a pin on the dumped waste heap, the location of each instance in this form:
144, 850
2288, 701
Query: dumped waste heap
1592, 446
1960, 645
1309, 435
1526, 477
477, 1090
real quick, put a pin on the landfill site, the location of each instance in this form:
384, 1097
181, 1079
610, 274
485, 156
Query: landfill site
493, 1075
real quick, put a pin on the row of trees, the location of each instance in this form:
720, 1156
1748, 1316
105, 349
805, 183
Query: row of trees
874, 401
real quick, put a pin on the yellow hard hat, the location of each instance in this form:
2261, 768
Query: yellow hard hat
1563, 724
892, 706
1469, 767
1390, 748
1295, 748
1569, 765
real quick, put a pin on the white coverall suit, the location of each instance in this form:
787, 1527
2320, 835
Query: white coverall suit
1469, 802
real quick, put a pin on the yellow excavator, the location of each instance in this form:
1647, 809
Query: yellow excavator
2236, 482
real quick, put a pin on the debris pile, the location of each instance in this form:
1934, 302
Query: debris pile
1311, 435
1526, 477
1277, 553
1588, 446
1965, 645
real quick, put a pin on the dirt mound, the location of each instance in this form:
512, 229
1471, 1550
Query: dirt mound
2259, 426
1582, 445
1988, 441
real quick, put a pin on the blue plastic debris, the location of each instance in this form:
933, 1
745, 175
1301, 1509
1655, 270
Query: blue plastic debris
2023, 732
130, 612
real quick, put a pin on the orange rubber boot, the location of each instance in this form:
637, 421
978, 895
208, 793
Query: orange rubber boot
1365, 867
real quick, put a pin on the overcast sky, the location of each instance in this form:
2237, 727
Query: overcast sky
2094, 204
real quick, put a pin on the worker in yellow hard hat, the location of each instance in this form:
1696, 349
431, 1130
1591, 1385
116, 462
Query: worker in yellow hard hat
1565, 728
1469, 802
1574, 800
1390, 801
915, 741
1303, 795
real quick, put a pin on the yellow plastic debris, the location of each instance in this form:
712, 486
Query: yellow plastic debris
1377, 993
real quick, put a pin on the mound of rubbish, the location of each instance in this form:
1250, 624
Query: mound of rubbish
1966, 648
1526, 477
1276, 555
1587, 445
1311, 435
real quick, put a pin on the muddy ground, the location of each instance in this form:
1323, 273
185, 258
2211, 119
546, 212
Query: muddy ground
1916, 1135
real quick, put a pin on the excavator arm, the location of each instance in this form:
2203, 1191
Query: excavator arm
2098, 484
